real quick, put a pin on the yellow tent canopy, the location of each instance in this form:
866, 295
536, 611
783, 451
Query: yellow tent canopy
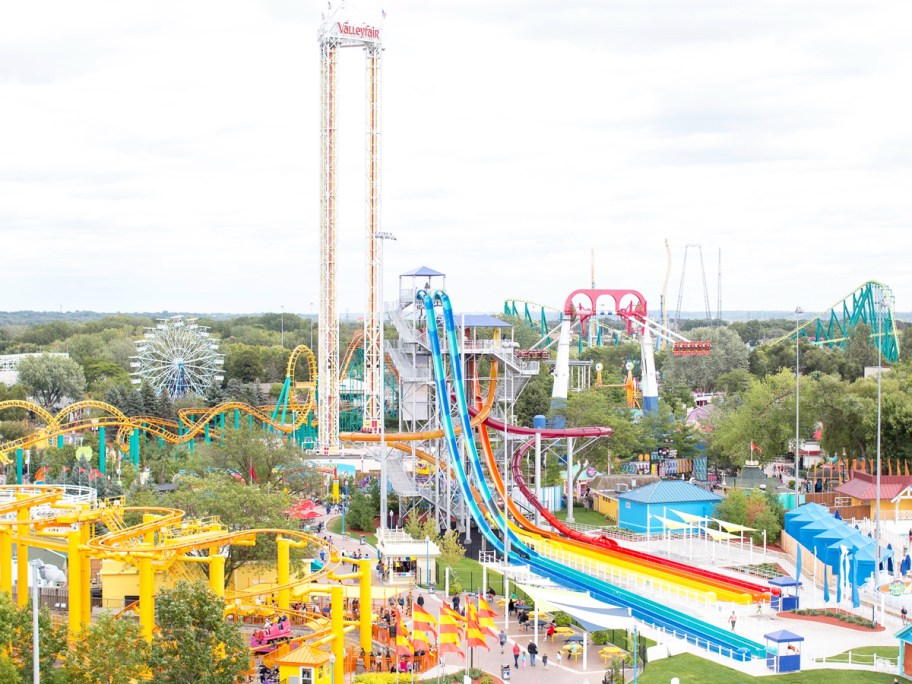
733, 527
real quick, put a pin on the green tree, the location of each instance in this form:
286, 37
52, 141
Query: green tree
242, 362
194, 642
257, 455
92, 659
451, 551
240, 507
51, 378
360, 514
728, 353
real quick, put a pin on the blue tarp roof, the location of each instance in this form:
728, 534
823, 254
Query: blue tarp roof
423, 272
669, 491
781, 636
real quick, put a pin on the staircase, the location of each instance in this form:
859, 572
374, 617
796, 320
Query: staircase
401, 482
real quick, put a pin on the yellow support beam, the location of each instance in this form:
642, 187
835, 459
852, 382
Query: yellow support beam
74, 573
364, 605
338, 641
216, 572
22, 559
283, 567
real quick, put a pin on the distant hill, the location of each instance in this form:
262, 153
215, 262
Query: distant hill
39, 317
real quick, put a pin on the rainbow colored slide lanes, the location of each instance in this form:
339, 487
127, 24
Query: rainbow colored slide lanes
704, 634
711, 585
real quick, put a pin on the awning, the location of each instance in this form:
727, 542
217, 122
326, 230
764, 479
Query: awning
733, 527
590, 613
689, 517
673, 524
719, 535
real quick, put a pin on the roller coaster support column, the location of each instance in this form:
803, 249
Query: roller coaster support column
74, 573
570, 480
22, 559
364, 603
206, 433
134, 447
283, 547
538, 476
102, 453
216, 572
237, 419
85, 584
6, 559
18, 466
338, 642
60, 441
147, 586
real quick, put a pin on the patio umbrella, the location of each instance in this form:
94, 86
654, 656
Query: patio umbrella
575, 638
836, 515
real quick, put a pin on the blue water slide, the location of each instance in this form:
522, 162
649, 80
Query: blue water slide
697, 631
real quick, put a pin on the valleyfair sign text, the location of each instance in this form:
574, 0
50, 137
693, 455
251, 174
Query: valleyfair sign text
362, 32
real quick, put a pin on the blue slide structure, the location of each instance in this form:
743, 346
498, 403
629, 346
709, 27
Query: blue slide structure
696, 631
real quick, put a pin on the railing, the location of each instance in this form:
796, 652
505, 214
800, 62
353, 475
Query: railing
885, 662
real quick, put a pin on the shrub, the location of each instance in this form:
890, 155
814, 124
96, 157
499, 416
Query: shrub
561, 619
601, 637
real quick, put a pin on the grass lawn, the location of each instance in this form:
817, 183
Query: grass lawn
584, 516
693, 670
469, 574
335, 525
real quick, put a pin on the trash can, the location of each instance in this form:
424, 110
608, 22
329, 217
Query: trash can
505, 672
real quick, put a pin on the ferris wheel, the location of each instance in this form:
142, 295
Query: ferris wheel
179, 356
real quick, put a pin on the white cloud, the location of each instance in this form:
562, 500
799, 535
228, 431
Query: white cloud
166, 155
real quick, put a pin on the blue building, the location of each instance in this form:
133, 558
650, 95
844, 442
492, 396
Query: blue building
658, 500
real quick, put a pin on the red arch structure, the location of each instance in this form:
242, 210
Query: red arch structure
629, 302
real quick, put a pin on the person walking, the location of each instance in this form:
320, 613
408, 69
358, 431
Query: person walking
533, 651
545, 660
732, 619
550, 634
502, 638
905, 615
516, 652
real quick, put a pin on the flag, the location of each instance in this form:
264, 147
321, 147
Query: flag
826, 585
754, 448
450, 638
420, 640
403, 644
253, 477
798, 562
856, 600
474, 635
423, 620
486, 618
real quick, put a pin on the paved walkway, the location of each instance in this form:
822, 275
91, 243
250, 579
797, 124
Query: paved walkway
821, 640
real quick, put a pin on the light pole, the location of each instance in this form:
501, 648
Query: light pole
382, 236
427, 560
36, 662
798, 312
311, 327
880, 304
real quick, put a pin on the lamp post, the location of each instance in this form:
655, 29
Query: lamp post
881, 302
382, 236
36, 663
427, 560
798, 312
311, 328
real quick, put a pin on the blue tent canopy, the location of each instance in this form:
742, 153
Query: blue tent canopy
823, 540
808, 533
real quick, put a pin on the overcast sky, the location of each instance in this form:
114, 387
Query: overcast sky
165, 155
